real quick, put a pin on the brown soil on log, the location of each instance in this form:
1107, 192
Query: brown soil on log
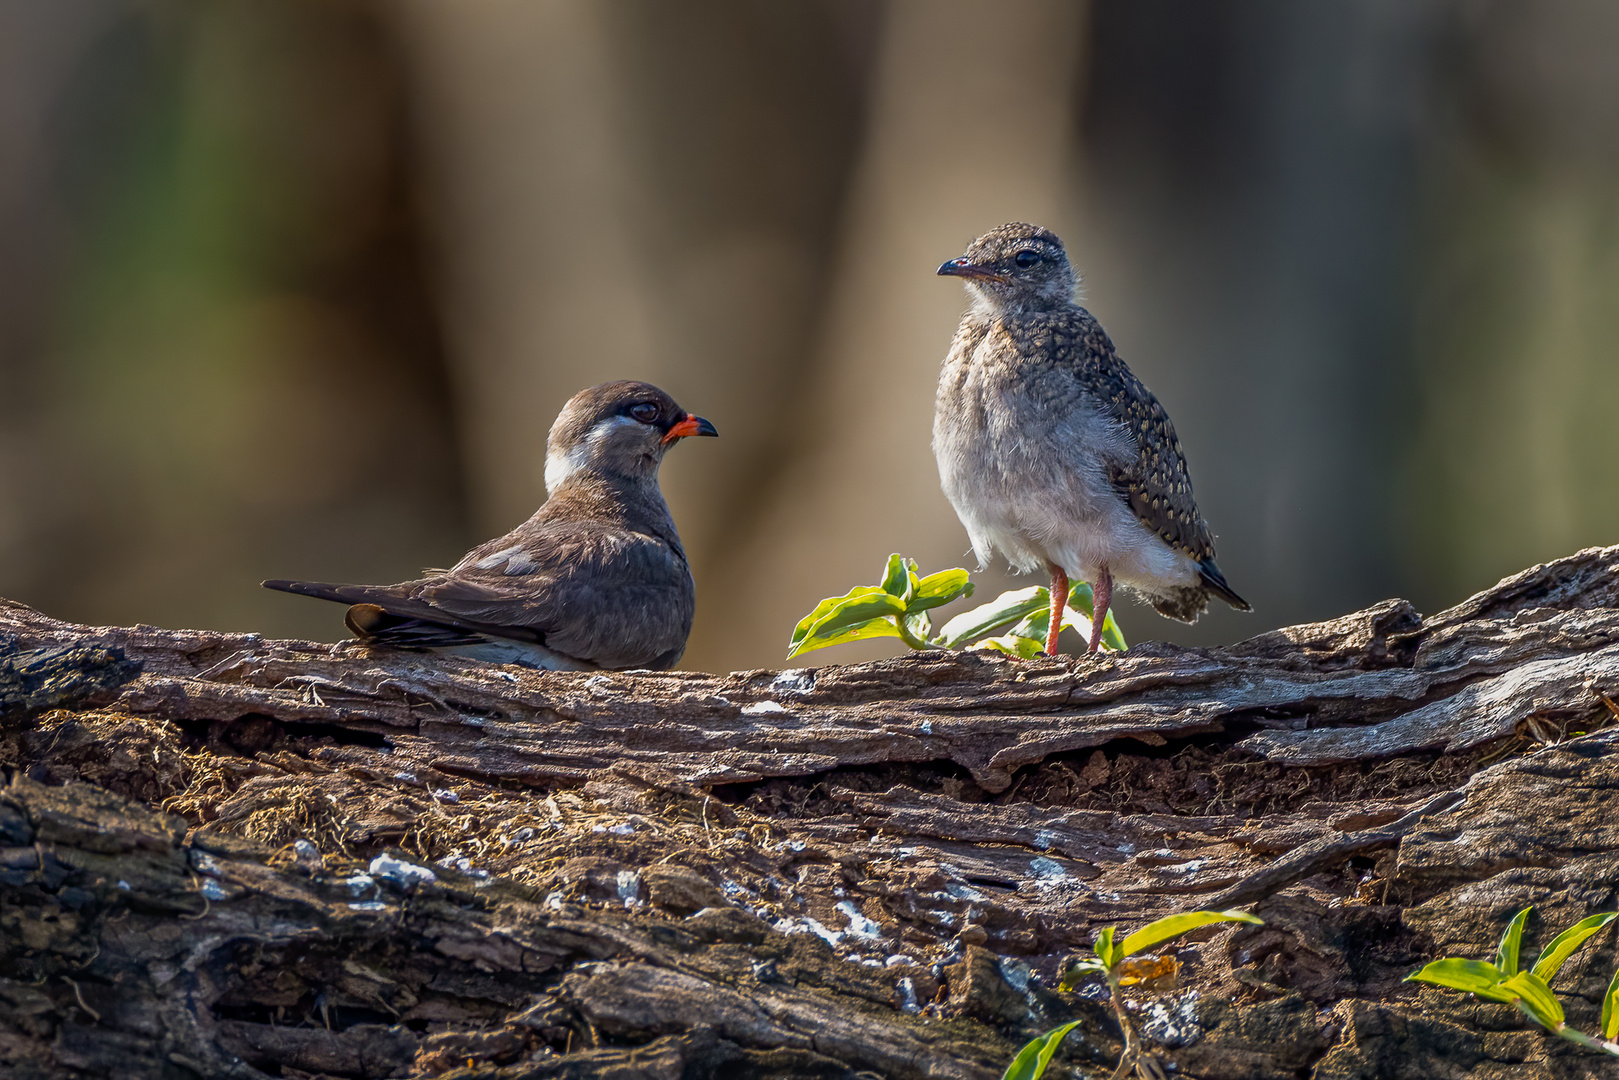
225, 856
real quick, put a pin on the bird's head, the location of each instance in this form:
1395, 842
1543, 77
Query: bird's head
1017, 266
616, 430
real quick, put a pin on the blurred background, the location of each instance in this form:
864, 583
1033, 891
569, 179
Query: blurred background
294, 288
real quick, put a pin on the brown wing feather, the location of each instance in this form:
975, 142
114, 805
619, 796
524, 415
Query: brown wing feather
1156, 483
587, 589
590, 591
596, 575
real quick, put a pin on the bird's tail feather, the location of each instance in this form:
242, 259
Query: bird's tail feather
380, 615
1215, 582
320, 590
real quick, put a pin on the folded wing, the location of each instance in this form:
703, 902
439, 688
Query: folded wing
590, 591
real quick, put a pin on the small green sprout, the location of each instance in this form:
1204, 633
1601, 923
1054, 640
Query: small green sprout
1107, 961
898, 606
1031, 1061
1531, 990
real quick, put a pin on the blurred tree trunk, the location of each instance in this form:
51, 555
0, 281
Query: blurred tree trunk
221, 353
1246, 200
225, 362
1518, 309
971, 122
640, 190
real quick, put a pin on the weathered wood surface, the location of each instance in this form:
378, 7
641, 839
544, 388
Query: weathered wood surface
873, 870
1543, 643
244, 941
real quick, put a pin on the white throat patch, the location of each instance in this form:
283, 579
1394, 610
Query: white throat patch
561, 464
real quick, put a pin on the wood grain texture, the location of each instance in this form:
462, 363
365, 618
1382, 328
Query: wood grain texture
1380, 682
607, 898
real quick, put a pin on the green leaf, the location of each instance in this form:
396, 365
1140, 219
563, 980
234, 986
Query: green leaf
853, 610
1610, 1027
1037, 625
1563, 945
843, 618
1106, 951
897, 577
1112, 636
1506, 954
1470, 976
1082, 601
999, 613
1024, 648
867, 631
939, 589
1031, 1061
1071, 977
824, 607
1173, 926
1536, 999
1610, 1010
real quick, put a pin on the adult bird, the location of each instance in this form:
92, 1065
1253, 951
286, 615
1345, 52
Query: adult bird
1052, 452
595, 579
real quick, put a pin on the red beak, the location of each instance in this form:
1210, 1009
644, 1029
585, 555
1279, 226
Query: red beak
692, 425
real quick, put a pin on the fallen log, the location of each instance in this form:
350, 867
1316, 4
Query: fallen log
230, 856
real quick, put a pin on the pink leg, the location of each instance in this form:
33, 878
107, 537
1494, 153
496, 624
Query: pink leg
1059, 599
1101, 597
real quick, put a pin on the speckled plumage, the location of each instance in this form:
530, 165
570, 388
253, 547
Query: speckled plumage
1050, 448
595, 579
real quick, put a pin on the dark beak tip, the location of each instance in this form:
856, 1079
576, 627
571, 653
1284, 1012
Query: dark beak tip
949, 268
705, 428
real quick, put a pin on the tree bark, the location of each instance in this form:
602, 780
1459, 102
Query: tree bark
228, 856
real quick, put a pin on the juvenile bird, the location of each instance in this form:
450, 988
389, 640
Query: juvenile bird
1052, 452
595, 579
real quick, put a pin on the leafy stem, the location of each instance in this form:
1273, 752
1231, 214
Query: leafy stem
1530, 989
1132, 1042
1108, 961
911, 639
898, 606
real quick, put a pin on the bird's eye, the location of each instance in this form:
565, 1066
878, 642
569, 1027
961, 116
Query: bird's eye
646, 412
1026, 258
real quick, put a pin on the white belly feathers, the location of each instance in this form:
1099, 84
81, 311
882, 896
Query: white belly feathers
1061, 507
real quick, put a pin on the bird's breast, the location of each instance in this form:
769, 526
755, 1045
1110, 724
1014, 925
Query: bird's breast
1025, 453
